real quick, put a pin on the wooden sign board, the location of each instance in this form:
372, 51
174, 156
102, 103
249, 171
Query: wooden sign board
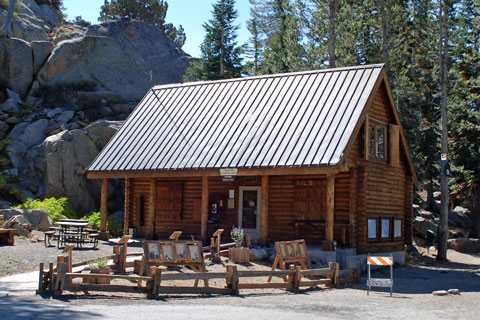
173, 252
294, 251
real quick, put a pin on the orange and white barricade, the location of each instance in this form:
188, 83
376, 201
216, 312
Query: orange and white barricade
380, 282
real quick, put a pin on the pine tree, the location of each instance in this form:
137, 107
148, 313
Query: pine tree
220, 52
152, 12
280, 26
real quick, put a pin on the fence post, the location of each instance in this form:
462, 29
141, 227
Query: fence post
330, 276
51, 279
291, 279
298, 277
337, 272
60, 281
157, 278
116, 257
41, 286
235, 280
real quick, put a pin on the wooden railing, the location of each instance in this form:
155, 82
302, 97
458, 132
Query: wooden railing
57, 280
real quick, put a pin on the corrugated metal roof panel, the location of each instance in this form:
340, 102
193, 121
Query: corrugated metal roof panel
295, 119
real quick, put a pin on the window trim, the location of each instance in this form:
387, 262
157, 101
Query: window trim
391, 228
376, 124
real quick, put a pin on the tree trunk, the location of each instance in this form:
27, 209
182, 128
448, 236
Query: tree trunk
475, 233
386, 15
222, 56
8, 20
332, 5
443, 227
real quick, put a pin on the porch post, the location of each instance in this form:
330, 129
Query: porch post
104, 210
264, 209
204, 212
151, 208
330, 207
126, 213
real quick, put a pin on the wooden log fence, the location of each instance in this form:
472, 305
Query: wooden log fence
57, 280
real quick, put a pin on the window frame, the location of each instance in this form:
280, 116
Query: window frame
377, 126
379, 225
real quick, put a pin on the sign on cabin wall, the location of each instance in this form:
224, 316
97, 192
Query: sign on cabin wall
310, 199
168, 202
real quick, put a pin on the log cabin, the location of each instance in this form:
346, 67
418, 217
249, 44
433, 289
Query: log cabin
316, 155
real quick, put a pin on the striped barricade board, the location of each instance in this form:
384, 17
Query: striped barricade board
379, 282
380, 261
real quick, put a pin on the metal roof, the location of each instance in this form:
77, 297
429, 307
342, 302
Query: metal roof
283, 120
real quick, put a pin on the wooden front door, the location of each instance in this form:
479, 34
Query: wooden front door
249, 205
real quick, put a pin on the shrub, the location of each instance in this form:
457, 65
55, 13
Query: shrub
56, 208
237, 236
94, 220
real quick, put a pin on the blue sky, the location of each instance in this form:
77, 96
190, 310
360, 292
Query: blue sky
191, 14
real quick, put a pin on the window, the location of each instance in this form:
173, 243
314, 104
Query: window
397, 228
385, 228
377, 132
372, 229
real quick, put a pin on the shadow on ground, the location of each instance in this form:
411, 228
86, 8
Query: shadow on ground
429, 275
20, 308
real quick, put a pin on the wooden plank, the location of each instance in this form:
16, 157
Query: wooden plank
194, 290
105, 288
267, 285
204, 211
264, 208
107, 276
103, 206
312, 283
316, 170
266, 273
316, 272
195, 276
330, 207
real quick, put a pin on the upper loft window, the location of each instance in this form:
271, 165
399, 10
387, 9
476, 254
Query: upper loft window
377, 135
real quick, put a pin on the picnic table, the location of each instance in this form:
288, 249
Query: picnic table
75, 231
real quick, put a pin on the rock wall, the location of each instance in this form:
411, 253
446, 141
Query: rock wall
56, 80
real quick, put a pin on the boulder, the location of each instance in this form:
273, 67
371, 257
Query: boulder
15, 96
16, 65
62, 161
464, 245
65, 116
36, 219
67, 32
459, 217
453, 291
258, 254
26, 138
10, 106
421, 225
20, 230
41, 51
18, 219
118, 55
440, 293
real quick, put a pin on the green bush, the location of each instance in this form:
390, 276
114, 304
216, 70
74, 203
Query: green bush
113, 226
56, 208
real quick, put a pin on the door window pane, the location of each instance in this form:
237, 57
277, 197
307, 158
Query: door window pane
372, 228
249, 209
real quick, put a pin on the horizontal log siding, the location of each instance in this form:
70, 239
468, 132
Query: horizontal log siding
189, 223
140, 188
342, 206
408, 221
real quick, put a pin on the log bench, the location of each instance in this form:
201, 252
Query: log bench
7, 236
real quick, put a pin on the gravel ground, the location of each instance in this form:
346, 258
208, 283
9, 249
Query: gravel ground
26, 255
412, 296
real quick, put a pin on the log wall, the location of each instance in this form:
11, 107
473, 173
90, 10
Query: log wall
383, 190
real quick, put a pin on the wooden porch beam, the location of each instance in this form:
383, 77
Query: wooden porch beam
264, 209
204, 212
213, 172
126, 213
330, 207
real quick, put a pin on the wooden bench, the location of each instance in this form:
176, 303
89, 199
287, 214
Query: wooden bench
7, 236
49, 235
